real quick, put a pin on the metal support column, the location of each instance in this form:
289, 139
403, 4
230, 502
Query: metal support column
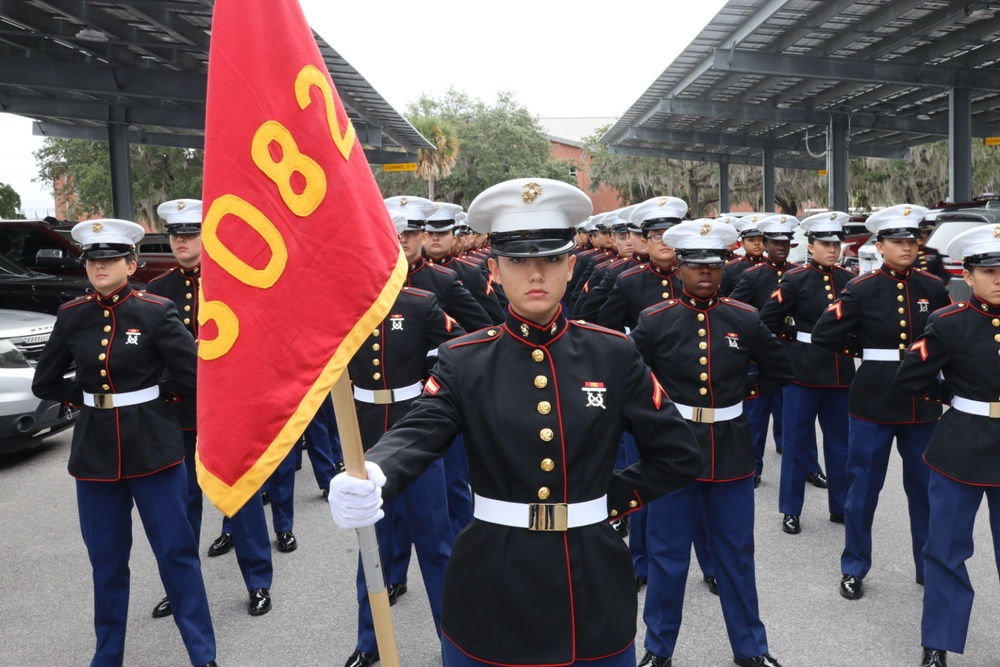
959, 144
767, 205
723, 187
837, 161
121, 171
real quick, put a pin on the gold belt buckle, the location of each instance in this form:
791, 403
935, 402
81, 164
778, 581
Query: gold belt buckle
703, 415
994, 410
104, 401
383, 396
548, 516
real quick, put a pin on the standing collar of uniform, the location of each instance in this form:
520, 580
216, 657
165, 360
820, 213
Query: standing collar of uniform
699, 304
534, 334
640, 259
442, 261
983, 307
660, 271
115, 298
416, 265
819, 267
780, 267
754, 260
894, 274
193, 272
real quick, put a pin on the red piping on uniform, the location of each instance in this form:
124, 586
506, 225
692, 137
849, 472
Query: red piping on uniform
955, 479
547, 664
120, 478
107, 359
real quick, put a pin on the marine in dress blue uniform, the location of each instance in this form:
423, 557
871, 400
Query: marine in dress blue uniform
542, 401
127, 445
754, 287
181, 285
701, 345
822, 377
388, 373
962, 343
752, 240
885, 310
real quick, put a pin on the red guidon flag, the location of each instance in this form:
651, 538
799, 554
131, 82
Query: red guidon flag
300, 259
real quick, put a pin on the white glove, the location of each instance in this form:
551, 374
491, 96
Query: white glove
357, 502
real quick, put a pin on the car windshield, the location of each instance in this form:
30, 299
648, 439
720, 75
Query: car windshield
9, 267
946, 231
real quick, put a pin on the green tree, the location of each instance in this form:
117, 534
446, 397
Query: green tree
79, 173
499, 141
10, 203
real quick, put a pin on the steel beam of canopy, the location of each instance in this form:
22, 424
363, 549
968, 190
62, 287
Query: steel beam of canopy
377, 157
960, 145
768, 178
838, 159
103, 79
58, 107
746, 29
723, 186
841, 69
85, 133
698, 156
859, 121
744, 141
121, 171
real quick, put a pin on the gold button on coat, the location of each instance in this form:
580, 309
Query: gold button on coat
544, 407
104, 373
102, 356
537, 355
376, 376
633, 503
187, 308
703, 377
899, 298
996, 323
541, 381
187, 320
664, 283
105, 387
544, 493
899, 285
104, 341
703, 361
376, 347
665, 295
702, 345
376, 332
546, 434
548, 465
375, 362
701, 317
188, 295
107, 328
107, 313
702, 332
703, 391
902, 323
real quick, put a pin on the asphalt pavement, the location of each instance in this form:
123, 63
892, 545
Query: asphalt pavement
46, 595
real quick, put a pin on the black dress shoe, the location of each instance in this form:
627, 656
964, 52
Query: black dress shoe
934, 658
817, 479
713, 583
265, 497
287, 541
851, 587
339, 467
362, 659
163, 609
756, 481
790, 524
640, 582
766, 660
210, 664
395, 591
837, 517
651, 660
260, 602
221, 546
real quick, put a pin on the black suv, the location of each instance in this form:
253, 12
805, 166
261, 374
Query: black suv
24, 289
949, 224
46, 246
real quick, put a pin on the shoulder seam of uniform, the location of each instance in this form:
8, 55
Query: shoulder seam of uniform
660, 307
583, 324
416, 291
730, 301
475, 337
76, 302
153, 298
163, 275
952, 308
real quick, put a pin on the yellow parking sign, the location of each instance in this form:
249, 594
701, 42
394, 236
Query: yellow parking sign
402, 166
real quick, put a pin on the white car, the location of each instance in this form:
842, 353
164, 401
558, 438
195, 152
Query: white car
25, 419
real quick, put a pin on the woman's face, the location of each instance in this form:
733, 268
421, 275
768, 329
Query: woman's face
109, 274
534, 285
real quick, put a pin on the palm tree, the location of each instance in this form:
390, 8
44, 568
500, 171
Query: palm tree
433, 165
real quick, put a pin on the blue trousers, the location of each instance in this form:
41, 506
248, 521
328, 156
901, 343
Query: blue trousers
802, 407
948, 591
248, 526
729, 509
323, 444
867, 462
106, 524
459, 500
281, 487
454, 657
421, 502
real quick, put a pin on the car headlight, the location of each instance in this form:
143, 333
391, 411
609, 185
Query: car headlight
10, 356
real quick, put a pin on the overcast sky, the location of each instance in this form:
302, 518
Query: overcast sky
559, 59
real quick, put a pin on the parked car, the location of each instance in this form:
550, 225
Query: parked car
24, 289
855, 235
47, 246
26, 420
